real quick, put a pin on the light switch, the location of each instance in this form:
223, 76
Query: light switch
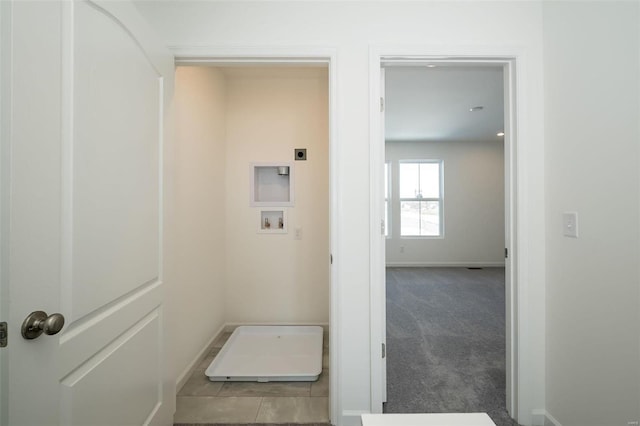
570, 224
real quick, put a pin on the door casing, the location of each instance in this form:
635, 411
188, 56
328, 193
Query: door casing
451, 56
212, 56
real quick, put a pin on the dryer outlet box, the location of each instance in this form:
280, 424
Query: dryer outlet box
300, 154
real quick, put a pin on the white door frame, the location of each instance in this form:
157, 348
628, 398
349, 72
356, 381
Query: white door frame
211, 55
5, 132
454, 55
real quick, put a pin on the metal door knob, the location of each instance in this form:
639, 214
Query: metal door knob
39, 322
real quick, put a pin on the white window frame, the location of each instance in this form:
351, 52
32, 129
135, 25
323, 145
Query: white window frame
440, 199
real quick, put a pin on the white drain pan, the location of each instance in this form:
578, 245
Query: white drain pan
269, 354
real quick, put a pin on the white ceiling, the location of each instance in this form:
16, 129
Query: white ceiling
432, 104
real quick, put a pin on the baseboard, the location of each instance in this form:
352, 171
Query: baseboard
550, 420
184, 376
541, 417
352, 417
444, 264
230, 326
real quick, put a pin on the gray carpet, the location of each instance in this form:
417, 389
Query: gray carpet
446, 341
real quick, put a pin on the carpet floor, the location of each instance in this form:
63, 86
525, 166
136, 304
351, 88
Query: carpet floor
446, 341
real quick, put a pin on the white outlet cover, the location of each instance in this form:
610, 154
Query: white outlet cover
570, 224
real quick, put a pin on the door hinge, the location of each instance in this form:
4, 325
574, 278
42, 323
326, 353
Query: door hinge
331, 259
506, 253
381, 104
384, 350
382, 227
3, 334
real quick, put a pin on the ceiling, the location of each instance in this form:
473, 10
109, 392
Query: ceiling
432, 104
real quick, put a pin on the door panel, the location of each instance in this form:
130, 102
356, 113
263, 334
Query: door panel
129, 364
87, 162
115, 153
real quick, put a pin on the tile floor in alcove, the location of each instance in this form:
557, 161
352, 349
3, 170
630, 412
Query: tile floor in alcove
203, 401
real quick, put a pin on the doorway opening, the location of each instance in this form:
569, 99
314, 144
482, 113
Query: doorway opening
442, 179
267, 104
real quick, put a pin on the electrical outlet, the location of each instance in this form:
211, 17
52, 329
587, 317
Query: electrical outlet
401, 249
570, 224
298, 234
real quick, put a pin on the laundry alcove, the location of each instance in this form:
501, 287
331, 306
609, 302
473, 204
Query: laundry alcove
230, 119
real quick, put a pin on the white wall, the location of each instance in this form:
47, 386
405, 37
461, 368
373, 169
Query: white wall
473, 206
198, 294
351, 28
274, 278
592, 144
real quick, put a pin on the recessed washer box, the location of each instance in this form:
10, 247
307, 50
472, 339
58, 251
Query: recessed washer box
271, 184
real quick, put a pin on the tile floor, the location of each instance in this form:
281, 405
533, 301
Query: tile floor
203, 401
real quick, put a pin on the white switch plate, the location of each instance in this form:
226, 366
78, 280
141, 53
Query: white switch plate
570, 224
298, 234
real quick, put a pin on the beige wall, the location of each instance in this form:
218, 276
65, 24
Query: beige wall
592, 143
473, 205
274, 278
197, 297
226, 272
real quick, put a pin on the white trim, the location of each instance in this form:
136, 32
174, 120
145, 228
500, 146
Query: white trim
542, 417
353, 417
230, 326
509, 57
445, 264
216, 55
6, 42
550, 420
377, 241
299, 55
202, 354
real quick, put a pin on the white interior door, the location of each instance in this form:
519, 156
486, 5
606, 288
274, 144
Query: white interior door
88, 95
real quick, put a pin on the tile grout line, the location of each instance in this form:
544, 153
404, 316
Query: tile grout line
255, 420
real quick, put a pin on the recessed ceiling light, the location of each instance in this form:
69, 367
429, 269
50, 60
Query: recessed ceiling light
500, 133
431, 66
476, 108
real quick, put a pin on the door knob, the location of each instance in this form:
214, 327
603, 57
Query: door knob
39, 322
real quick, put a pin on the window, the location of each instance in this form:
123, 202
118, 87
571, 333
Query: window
387, 225
421, 198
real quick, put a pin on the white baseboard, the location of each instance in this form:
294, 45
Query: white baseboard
444, 264
230, 326
184, 376
538, 417
542, 417
550, 420
352, 417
